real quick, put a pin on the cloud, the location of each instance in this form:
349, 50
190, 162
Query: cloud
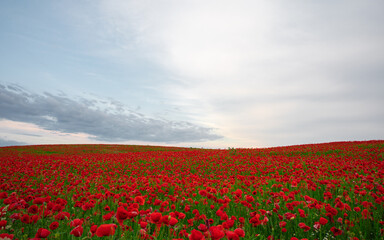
115, 123
269, 72
264, 72
5, 142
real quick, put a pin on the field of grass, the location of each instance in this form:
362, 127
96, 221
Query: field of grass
317, 191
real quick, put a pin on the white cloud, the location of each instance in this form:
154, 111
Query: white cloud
28, 133
250, 68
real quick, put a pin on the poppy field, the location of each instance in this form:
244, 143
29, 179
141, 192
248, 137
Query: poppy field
317, 191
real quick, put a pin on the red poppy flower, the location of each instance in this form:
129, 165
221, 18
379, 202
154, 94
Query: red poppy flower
165, 219
93, 229
25, 219
240, 232
196, 235
332, 211
106, 230
132, 214
238, 193
140, 200
42, 233
38, 201
76, 222
62, 216
34, 218
289, 215
323, 221
173, 221
304, 227
302, 213
77, 232
336, 231
6, 236
34, 209
232, 235
203, 193
108, 216
143, 224
54, 225
3, 223
249, 199
121, 214
216, 232
3, 195
203, 227
156, 217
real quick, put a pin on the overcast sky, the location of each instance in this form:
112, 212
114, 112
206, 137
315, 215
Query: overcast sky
191, 73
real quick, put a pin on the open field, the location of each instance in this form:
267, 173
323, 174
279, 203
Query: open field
319, 191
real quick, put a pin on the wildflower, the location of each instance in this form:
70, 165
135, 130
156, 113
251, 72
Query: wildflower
216, 232
3, 223
173, 221
240, 232
33, 209
54, 225
25, 219
42, 233
316, 225
106, 230
232, 235
304, 227
6, 236
121, 214
365, 213
336, 231
77, 231
76, 222
249, 198
93, 229
143, 224
196, 235
330, 210
108, 216
156, 217
323, 221
140, 200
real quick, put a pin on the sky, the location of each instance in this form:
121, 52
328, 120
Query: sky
202, 73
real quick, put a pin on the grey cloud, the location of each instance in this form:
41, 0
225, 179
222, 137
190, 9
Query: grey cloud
62, 113
6, 142
29, 134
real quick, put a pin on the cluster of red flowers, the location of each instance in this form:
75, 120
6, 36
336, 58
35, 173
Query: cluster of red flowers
133, 192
